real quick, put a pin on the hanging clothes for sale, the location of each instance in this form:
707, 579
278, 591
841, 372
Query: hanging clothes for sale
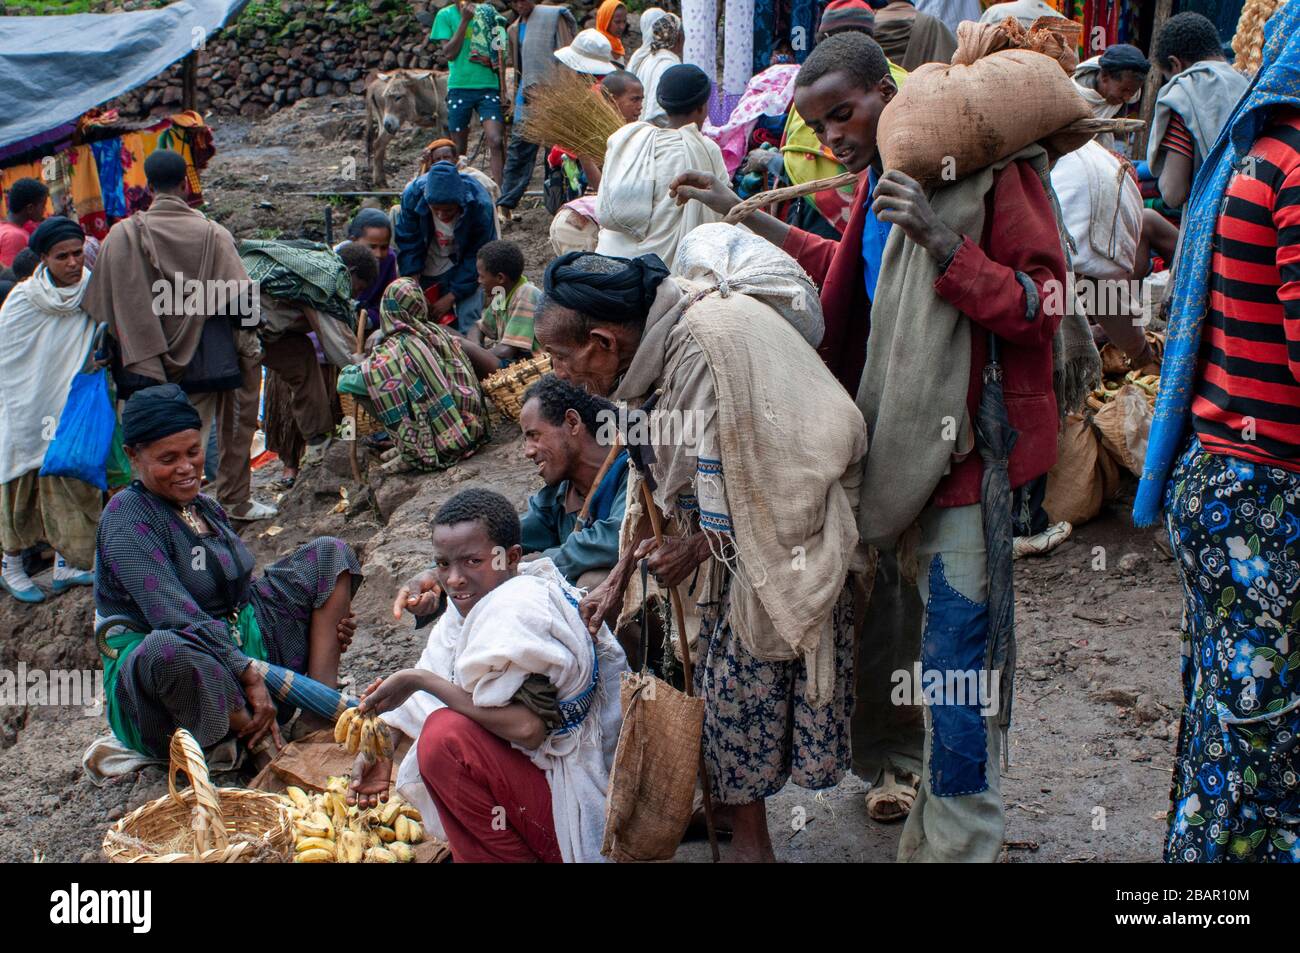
738, 50
764, 33
87, 200
804, 15
134, 184
108, 161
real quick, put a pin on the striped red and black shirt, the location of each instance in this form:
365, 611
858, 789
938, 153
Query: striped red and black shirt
1247, 401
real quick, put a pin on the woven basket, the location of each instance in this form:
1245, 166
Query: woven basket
506, 387
363, 425
228, 825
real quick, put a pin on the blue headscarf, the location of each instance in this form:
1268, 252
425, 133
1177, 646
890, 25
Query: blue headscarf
1276, 84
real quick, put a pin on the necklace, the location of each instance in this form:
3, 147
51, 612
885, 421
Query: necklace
190, 515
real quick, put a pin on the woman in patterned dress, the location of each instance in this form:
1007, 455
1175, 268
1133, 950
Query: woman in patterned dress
168, 558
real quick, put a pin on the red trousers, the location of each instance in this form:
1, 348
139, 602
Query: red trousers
494, 803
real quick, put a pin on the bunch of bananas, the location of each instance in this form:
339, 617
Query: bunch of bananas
328, 830
366, 734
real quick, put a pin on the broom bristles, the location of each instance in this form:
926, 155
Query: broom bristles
569, 112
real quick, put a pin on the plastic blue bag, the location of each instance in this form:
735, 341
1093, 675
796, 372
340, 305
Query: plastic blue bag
85, 433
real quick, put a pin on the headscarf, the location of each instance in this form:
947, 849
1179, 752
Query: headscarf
621, 296
157, 412
604, 16
649, 17
665, 33
404, 308
1277, 84
443, 185
55, 229
368, 218
682, 88
846, 15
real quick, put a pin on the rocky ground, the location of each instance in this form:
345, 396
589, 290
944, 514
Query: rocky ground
1097, 692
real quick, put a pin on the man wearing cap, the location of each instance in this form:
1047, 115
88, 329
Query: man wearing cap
1026, 11
588, 55
1112, 81
538, 31
636, 212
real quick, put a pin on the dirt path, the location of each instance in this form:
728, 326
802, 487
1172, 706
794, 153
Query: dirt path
1097, 692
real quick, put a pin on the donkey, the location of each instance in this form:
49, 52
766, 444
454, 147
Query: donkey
398, 96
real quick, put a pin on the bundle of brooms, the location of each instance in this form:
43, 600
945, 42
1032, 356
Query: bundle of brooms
568, 111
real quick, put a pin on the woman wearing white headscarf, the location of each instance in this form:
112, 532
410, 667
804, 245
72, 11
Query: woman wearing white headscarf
648, 20
666, 42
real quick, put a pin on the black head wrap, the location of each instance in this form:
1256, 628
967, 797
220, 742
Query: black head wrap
1122, 57
619, 296
55, 229
683, 88
157, 412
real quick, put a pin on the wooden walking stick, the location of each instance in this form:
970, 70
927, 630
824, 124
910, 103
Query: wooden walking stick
610, 457
679, 617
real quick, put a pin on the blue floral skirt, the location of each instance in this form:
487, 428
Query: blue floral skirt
1234, 527
759, 730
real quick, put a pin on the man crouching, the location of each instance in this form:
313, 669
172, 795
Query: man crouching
514, 704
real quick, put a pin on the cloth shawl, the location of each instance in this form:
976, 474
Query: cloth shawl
300, 270
722, 347
1276, 84
1204, 95
637, 215
918, 364
168, 240
45, 338
529, 625
913, 41
541, 39
649, 17
649, 72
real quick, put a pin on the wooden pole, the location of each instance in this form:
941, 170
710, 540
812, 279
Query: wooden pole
1164, 9
679, 617
189, 80
595, 484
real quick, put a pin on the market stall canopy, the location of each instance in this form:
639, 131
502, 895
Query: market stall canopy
52, 69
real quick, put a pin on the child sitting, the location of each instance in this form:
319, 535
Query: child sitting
511, 303
512, 702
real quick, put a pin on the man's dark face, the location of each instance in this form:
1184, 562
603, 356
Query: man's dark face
844, 116
523, 8
553, 448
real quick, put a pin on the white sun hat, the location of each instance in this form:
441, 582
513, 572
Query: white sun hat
589, 53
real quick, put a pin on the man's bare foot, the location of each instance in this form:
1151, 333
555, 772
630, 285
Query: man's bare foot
750, 841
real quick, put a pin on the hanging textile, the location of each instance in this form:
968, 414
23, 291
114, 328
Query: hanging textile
738, 50
28, 170
86, 198
764, 33
134, 184
108, 161
803, 27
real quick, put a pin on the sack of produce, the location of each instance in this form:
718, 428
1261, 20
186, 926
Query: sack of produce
998, 96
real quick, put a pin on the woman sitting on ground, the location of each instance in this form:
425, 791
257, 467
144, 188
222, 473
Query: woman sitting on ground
169, 559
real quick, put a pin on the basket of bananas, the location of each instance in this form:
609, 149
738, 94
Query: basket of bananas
204, 824
328, 830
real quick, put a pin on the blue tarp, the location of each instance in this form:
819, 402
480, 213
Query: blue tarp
52, 69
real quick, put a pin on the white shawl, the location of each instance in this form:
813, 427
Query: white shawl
45, 338
636, 213
649, 18
529, 626
649, 71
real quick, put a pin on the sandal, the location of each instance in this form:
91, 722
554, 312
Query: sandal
890, 801
284, 483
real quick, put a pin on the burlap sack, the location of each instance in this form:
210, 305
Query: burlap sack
652, 784
1124, 424
950, 121
1074, 492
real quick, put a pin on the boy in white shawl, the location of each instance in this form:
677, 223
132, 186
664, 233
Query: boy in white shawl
637, 214
514, 705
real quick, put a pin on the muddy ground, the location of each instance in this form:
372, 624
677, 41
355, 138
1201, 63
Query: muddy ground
1097, 691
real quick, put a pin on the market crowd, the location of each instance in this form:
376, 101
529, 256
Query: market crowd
875, 376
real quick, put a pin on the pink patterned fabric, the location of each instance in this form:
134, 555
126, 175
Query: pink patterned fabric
770, 93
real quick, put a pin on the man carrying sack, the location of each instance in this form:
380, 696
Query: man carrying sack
966, 270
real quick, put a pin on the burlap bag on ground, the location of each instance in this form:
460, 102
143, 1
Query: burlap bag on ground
652, 784
1124, 424
950, 121
1074, 485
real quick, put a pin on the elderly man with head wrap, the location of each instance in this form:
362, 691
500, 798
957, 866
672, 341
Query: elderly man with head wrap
635, 211
171, 567
731, 331
45, 341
